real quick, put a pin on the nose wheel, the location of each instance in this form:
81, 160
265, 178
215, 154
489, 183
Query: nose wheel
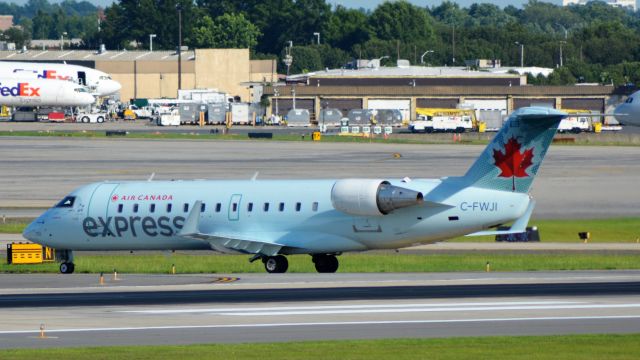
67, 268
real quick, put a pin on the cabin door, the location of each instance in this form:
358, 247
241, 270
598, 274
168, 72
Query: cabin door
234, 207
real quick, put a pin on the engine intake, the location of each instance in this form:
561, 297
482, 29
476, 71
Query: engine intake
370, 197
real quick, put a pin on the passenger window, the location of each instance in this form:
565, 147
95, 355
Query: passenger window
314, 207
202, 207
298, 206
120, 206
168, 208
186, 208
135, 208
250, 207
152, 208
281, 207
235, 207
266, 207
218, 207
67, 202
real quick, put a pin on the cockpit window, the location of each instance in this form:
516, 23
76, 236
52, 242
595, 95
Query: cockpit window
629, 100
66, 202
103, 77
80, 89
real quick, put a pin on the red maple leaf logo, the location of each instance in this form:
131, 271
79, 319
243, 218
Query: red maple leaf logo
513, 163
114, 198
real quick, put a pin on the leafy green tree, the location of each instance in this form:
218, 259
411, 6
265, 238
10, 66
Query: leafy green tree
347, 27
226, 31
401, 21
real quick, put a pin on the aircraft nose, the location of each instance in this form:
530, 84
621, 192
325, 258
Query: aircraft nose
33, 232
621, 112
109, 87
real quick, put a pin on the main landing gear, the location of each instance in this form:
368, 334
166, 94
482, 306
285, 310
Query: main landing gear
325, 263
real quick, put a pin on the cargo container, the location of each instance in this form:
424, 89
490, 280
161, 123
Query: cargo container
298, 117
240, 114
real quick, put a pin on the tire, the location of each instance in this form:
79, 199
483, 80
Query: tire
85, 119
67, 268
576, 130
326, 263
276, 264
428, 130
100, 119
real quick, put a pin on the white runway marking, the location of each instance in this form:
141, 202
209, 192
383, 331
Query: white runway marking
389, 308
337, 323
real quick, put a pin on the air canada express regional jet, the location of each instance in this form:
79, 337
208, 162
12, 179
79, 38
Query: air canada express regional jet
269, 219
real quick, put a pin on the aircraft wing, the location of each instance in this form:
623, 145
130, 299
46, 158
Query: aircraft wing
267, 243
228, 242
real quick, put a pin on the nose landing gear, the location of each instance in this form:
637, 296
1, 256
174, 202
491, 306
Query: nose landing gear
67, 268
66, 259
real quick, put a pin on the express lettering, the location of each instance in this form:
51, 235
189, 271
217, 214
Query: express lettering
21, 89
133, 226
479, 206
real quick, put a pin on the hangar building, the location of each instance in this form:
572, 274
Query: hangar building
145, 74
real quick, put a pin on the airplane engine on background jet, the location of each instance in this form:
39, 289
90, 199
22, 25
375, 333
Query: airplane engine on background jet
371, 197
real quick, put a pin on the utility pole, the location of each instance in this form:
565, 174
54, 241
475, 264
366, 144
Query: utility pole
453, 41
179, 9
521, 53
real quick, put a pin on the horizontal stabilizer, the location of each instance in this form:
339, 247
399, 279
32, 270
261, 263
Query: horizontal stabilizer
518, 227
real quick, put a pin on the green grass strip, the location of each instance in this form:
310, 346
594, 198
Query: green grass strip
568, 347
208, 262
619, 230
471, 139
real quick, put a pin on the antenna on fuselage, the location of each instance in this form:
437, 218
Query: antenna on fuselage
255, 176
151, 177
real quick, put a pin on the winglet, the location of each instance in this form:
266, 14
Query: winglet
191, 225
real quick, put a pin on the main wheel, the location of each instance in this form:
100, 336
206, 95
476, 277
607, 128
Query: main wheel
67, 268
326, 263
276, 264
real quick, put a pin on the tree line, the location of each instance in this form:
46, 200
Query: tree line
599, 43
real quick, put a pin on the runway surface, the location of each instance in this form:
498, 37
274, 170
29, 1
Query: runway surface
573, 182
141, 309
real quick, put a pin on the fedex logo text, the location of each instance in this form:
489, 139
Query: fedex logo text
21, 89
51, 74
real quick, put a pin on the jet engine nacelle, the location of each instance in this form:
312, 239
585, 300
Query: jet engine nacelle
371, 197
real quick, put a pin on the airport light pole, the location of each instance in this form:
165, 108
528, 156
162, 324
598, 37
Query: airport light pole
179, 9
425, 53
521, 53
151, 36
62, 40
317, 35
561, 43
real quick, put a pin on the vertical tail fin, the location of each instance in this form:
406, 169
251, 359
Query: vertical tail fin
512, 159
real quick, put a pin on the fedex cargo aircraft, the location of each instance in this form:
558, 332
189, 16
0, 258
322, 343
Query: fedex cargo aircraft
38, 92
98, 82
272, 219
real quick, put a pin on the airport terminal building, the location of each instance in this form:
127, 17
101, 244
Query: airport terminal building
493, 91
